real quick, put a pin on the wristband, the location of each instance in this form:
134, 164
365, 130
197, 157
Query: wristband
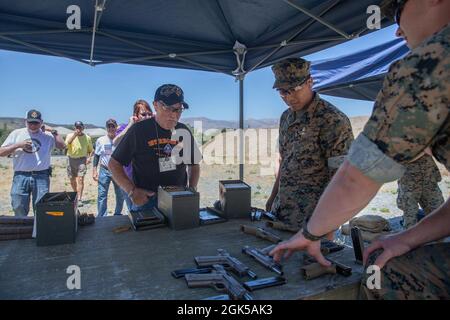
310, 236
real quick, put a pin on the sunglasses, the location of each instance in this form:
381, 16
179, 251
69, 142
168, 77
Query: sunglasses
287, 92
145, 114
111, 126
171, 109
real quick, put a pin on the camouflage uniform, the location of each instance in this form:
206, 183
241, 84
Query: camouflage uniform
410, 114
417, 275
419, 185
311, 142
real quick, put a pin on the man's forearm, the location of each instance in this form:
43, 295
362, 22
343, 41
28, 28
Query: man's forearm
6, 151
348, 193
194, 175
72, 137
434, 226
120, 176
59, 142
276, 184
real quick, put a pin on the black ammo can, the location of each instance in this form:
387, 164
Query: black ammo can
235, 198
56, 219
180, 206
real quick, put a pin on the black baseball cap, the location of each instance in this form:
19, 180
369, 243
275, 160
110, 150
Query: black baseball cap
34, 116
170, 94
78, 124
111, 121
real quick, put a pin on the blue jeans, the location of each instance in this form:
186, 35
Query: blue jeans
24, 186
104, 180
151, 203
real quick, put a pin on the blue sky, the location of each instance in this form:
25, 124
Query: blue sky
66, 91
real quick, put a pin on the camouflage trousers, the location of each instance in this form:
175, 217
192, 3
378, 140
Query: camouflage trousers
410, 195
423, 273
294, 207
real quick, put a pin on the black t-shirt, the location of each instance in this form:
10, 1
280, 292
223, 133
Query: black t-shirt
146, 142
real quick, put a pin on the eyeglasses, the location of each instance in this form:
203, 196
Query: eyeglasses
172, 109
287, 92
398, 12
146, 114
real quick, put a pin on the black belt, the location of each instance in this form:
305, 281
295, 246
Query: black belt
30, 173
104, 167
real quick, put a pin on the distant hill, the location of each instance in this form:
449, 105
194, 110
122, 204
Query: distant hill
16, 123
357, 123
220, 124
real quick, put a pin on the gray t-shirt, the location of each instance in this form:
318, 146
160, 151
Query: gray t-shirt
39, 157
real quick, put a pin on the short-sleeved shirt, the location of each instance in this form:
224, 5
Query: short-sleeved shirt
312, 144
146, 142
104, 148
411, 113
80, 147
39, 157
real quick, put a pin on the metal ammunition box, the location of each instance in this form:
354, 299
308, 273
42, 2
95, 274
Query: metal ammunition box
235, 198
56, 219
180, 206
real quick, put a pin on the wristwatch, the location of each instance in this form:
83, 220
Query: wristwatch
310, 236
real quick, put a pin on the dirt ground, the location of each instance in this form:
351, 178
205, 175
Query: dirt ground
260, 178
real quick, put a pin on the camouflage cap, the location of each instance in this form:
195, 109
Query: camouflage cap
389, 8
290, 73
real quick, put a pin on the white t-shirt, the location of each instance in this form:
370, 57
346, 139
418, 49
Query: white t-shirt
104, 148
39, 157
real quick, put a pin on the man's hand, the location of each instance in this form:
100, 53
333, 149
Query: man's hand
393, 246
88, 160
298, 243
133, 120
141, 196
95, 175
26, 145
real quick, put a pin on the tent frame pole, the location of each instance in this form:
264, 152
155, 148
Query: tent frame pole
319, 19
241, 127
286, 42
24, 33
98, 8
163, 54
52, 52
